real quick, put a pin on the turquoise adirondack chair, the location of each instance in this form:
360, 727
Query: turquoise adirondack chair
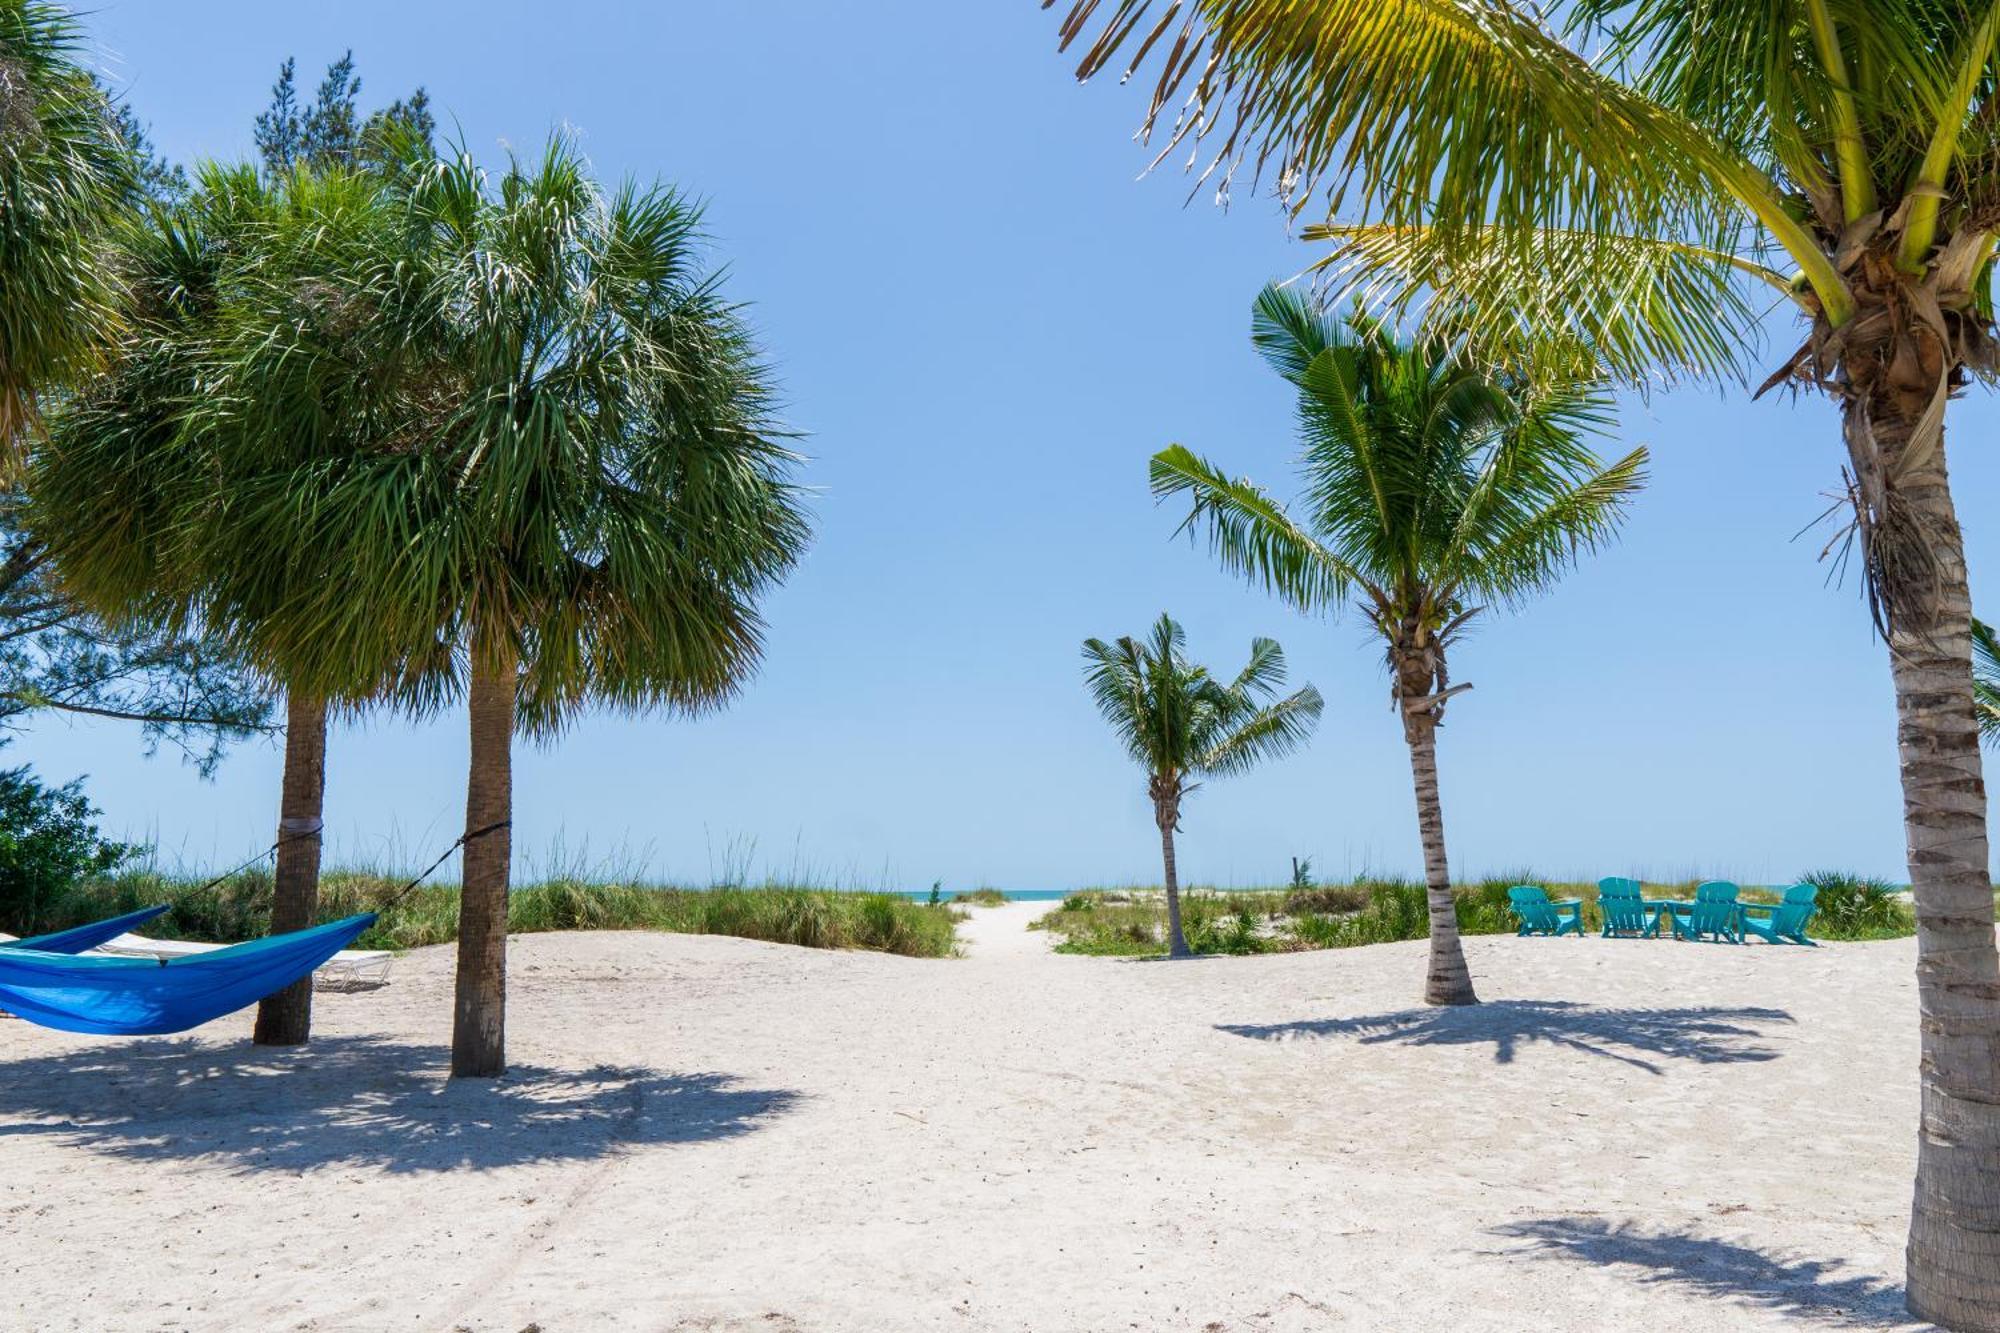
1714, 914
1539, 916
1788, 918
1625, 913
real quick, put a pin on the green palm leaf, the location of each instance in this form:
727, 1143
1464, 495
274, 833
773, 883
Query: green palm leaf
1986, 680
65, 172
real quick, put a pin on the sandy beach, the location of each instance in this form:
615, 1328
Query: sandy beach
708, 1133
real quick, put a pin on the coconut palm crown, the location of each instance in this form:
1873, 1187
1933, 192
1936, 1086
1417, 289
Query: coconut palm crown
1429, 492
1180, 724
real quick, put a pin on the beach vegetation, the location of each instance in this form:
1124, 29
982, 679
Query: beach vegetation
1431, 490
65, 174
1857, 907
512, 442
1181, 724
980, 897
1626, 187
49, 843
239, 908
1385, 910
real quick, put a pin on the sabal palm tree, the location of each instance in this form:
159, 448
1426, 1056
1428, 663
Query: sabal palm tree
1181, 724
1646, 182
510, 446
1986, 680
239, 307
1430, 491
64, 173
579, 493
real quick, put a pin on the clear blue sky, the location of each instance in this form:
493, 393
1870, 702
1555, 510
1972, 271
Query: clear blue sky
986, 323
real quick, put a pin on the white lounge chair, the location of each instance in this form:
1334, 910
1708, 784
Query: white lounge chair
350, 969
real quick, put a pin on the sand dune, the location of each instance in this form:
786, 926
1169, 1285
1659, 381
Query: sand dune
708, 1133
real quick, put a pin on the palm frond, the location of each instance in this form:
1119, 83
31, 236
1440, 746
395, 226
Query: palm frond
1269, 732
1524, 547
1567, 301
1263, 673
1410, 111
1251, 533
65, 173
1986, 680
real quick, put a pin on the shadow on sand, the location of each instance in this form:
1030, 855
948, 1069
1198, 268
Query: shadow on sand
358, 1101
1804, 1289
1703, 1034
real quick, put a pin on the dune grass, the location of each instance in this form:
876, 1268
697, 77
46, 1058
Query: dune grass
1274, 920
240, 908
1105, 921
1132, 921
983, 897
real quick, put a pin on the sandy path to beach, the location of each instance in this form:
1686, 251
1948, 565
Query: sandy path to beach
718, 1134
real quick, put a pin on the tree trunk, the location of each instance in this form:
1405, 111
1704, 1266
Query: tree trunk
1177, 945
285, 1017
479, 1019
1954, 1248
1448, 981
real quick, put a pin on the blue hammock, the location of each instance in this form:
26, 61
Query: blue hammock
81, 939
133, 997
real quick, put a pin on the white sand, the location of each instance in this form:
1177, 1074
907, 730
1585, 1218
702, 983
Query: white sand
719, 1134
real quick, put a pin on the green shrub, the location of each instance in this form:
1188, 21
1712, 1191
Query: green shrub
1856, 907
980, 897
47, 844
1218, 925
1310, 930
1326, 899
1325, 916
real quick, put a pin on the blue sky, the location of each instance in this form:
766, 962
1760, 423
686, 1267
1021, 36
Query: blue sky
986, 322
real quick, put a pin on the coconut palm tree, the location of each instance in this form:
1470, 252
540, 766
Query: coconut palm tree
1181, 724
1430, 491
231, 366
1646, 181
64, 172
1986, 680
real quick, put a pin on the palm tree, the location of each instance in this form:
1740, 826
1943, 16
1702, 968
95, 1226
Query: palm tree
1430, 491
223, 372
64, 172
1643, 184
1181, 724
449, 442
1986, 680
577, 492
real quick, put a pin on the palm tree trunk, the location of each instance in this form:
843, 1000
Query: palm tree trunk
1177, 945
479, 1019
1448, 981
285, 1018
1954, 1248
